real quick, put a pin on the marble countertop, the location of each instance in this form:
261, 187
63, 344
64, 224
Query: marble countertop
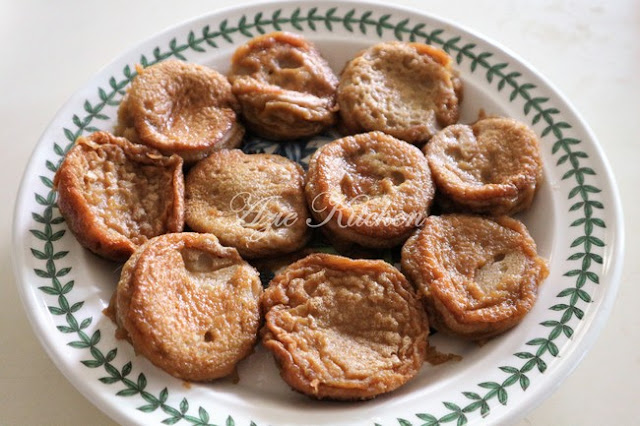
588, 49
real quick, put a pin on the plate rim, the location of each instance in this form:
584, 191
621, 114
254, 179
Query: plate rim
578, 350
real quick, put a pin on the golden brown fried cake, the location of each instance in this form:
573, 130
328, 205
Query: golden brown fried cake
115, 195
189, 305
254, 202
477, 276
285, 86
408, 90
370, 189
181, 108
344, 329
491, 167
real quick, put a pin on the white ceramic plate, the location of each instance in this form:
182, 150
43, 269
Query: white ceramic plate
576, 221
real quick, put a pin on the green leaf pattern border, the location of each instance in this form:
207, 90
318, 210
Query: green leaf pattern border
566, 314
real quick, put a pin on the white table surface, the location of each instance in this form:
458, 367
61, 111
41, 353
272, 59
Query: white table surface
589, 49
